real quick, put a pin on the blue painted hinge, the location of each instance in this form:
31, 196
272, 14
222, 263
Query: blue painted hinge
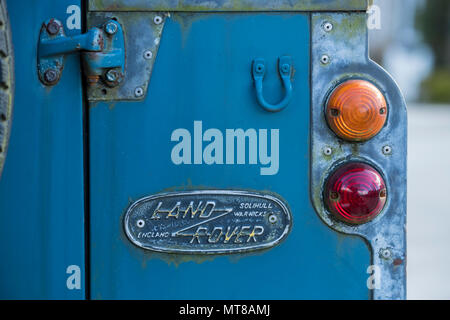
103, 52
285, 70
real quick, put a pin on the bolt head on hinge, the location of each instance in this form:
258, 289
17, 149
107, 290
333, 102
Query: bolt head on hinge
51, 76
53, 27
111, 28
113, 77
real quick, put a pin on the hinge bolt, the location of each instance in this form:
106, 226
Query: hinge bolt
53, 27
51, 76
113, 77
111, 28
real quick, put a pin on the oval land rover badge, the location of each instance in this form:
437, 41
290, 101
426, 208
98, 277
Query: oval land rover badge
208, 222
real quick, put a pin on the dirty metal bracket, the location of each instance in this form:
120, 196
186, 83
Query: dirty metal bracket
338, 55
142, 33
102, 49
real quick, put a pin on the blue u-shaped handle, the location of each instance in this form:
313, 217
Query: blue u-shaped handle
285, 71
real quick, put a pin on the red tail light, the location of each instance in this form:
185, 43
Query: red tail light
355, 193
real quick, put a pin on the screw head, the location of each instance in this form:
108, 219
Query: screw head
325, 59
157, 19
327, 26
335, 112
273, 218
111, 28
53, 27
111, 75
148, 54
385, 253
51, 76
334, 195
139, 92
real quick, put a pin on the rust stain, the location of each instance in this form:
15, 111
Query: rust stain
398, 262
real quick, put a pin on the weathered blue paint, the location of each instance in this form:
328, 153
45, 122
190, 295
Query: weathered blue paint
228, 5
61, 45
203, 72
41, 190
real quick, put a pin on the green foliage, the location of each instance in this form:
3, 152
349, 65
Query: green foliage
437, 87
433, 21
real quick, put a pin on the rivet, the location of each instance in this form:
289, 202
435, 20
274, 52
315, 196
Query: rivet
325, 59
387, 150
138, 92
157, 19
385, 253
140, 223
327, 26
148, 54
273, 218
327, 151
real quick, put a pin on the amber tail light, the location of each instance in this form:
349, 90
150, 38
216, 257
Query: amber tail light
356, 110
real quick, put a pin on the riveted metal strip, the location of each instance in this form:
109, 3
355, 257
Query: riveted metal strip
340, 53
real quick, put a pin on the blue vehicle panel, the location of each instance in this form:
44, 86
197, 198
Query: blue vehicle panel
202, 77
192, 150
42, 186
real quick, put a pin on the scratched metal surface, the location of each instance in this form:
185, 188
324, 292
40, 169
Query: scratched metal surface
203, 73
142, 35
228, 5
346, 45
41, 190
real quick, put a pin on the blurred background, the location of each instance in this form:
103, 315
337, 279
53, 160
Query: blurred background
411, 39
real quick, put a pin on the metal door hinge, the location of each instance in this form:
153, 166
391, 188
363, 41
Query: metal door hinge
102, 49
